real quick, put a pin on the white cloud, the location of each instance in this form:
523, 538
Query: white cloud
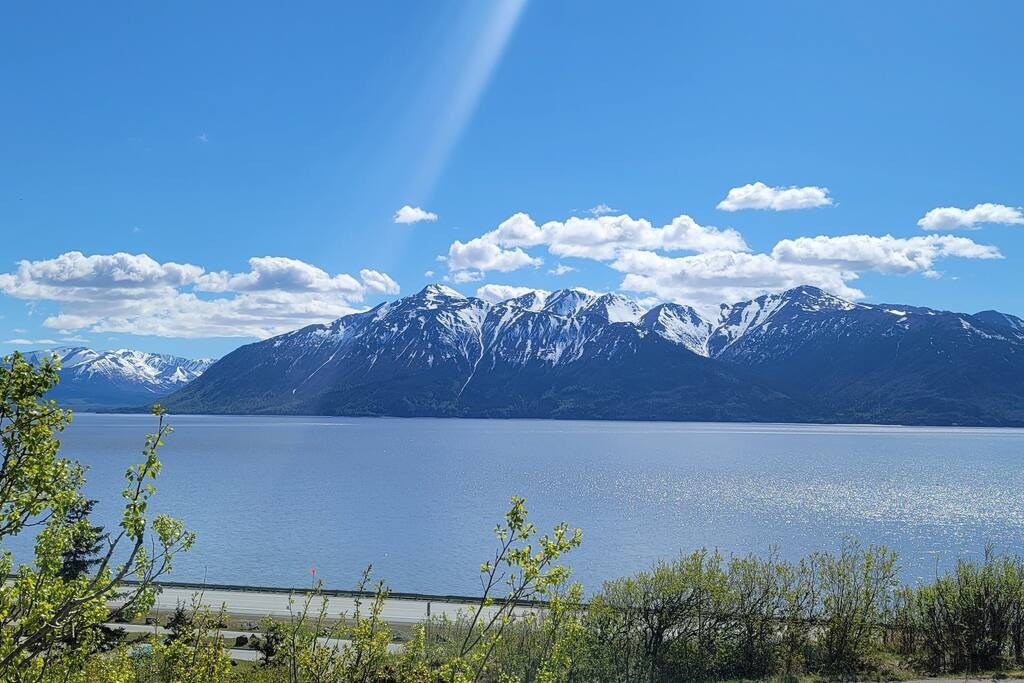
760, 196
832, 263
462, 276
722, 267
601, 209
135, 294
413, 214
706, 280
378, 282
884, 254
496, 293
483, 254
428, 273
561, 269
600, 238
18, 342
952, 218
74, 271
279, 273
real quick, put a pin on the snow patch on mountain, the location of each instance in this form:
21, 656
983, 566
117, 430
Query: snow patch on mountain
680, 325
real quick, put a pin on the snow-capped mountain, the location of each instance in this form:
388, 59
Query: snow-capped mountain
124, 377
802, 354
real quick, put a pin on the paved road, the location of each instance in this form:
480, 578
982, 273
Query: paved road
239, 653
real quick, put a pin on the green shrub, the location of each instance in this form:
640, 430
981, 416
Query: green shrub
969, 619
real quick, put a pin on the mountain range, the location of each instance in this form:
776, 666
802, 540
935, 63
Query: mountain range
121, 378
800, 355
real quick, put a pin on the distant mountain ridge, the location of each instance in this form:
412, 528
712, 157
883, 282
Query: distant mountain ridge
119, 378
800, 355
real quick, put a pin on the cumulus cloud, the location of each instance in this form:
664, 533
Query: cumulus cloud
378, 282
601, 209
496, 293
760, 196
706, 280
603, 237
413, 214
884, 254
832, 263
952, 218
721, 267
279, 273
600, 238
74, 271
135, 294
481, 253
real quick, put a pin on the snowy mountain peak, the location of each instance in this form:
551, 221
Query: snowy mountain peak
569, 302
531, 301
119, 377
437, 293
740, 319
1011, 324
815, 299
615, 308
478, 324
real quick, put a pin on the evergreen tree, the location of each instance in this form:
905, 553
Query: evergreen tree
84, 552
78, 559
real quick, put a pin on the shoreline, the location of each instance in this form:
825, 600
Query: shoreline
1015, 428
177, 587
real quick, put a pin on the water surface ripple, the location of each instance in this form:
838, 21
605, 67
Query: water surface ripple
271, 497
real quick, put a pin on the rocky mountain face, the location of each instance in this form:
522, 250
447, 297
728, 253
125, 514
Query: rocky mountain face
801, 355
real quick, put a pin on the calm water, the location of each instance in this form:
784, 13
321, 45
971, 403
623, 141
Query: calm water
273, 496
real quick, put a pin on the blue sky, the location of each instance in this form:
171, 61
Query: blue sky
203, 135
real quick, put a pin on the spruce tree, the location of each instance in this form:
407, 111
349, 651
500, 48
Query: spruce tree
84, 552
